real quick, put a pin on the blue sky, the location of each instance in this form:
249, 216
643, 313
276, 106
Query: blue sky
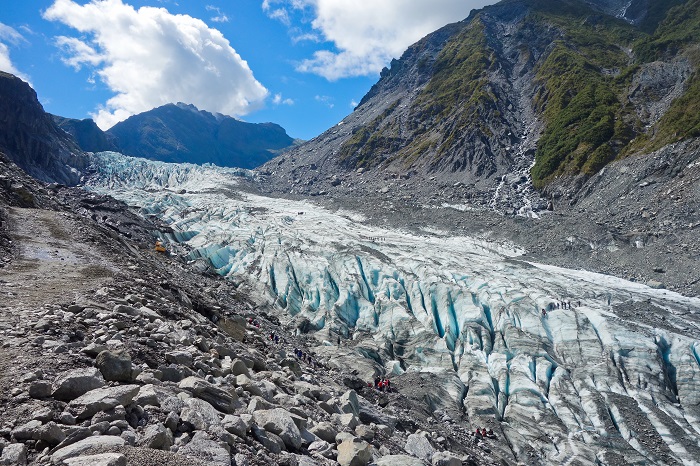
302, 64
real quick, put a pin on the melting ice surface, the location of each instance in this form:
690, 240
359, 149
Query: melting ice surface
614, 380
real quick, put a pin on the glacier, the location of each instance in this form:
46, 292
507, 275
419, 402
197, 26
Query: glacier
612, 379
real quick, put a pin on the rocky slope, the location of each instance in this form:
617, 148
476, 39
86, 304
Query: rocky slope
30, 137
182, 133
520, 94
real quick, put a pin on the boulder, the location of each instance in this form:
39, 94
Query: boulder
103, 399
156, 436
235, 425
238, 367
354, 452
14, 454
26, 431
199, 414
258, 403
204, 448
270, 441
90, 444
50, 433
234, 326
76, 382
40, 389
325, 431
399, 460
419, 446
104, 459
181, 357
219, 398
279, 422
445, 458
115, 365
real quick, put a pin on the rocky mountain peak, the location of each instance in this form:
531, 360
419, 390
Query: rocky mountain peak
32, 139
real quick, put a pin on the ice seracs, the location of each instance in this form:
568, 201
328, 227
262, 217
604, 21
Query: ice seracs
615, 375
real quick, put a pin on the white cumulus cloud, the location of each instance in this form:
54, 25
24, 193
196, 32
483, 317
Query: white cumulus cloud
10, 37
149, 57
367, 34
277, 99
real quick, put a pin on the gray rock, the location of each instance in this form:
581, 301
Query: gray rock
26, 431
222, 400
156, 436
234, 326
247, 384
419, 446
40, 389
365, 432
93, 349
76, 382
238, 367
179, 357
354, 452
114, 365
258, 403
235, 425
172, 420
147, 395
90, 444
445, 458
14, 454
203, 447
324, 430
104, 459
200, 414
43, 414
50, 433
102, 399
399, 460
279, 422
270, 441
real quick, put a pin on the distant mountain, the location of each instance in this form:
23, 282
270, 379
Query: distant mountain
31, 139
87, 134
518, 96
183, 133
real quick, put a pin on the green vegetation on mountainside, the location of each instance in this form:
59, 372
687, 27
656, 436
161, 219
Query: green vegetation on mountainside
457, 91
581, 81
678, 33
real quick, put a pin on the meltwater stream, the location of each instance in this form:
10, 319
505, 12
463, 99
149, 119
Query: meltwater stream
614, 379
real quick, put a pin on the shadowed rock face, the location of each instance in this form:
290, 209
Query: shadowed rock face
30, 138
183, 133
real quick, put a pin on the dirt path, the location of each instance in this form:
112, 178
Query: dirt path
55, 265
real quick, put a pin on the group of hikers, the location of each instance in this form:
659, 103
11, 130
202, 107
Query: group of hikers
383, 385
483, 433
559, 305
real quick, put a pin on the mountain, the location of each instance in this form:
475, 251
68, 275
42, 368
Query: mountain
182, 133
30, 137
86, 133
519, 98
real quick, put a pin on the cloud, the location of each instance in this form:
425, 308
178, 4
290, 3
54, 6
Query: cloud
220, 17
149, 57
277, 100
324, 99
10, 37
367, 34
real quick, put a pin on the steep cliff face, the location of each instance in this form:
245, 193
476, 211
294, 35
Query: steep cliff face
519, 95
183, 133
86, 133
30, 138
